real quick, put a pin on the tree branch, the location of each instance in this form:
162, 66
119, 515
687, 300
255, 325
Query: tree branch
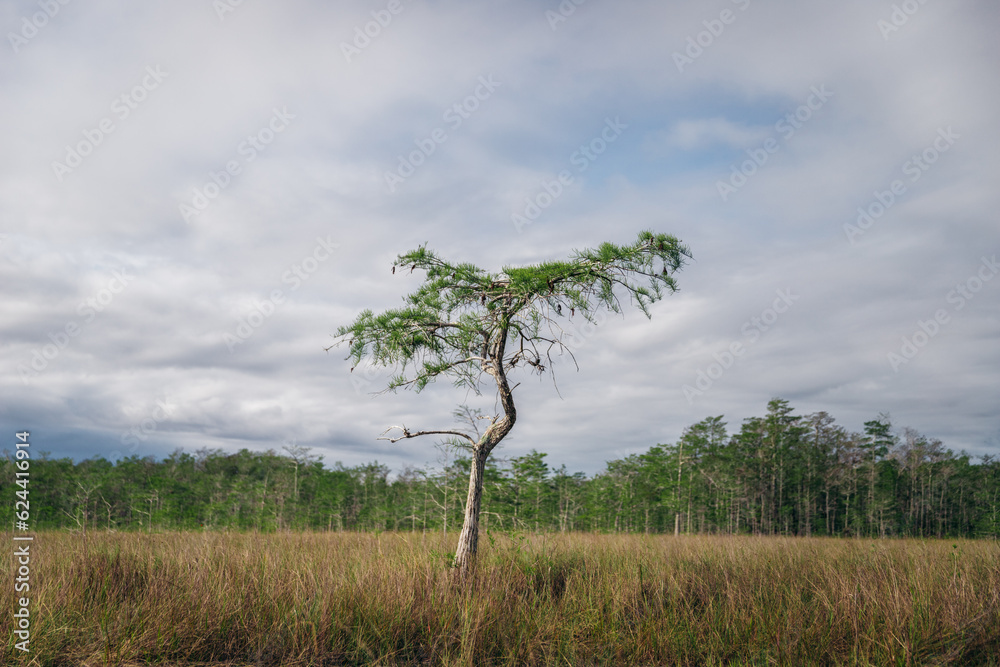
411, 434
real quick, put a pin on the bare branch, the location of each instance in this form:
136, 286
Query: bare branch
407, 433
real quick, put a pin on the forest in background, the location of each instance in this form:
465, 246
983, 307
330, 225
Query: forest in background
780, 474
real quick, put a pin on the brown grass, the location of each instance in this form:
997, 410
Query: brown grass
389, 599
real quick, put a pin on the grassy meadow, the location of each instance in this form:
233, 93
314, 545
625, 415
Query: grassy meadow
573, 599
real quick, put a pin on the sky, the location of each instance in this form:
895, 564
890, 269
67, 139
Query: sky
194, 195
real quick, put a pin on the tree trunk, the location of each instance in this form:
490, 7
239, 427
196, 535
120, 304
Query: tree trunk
468, 540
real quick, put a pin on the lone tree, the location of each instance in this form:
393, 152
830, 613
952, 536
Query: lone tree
465, 324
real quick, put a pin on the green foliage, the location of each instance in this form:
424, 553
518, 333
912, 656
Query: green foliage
463, 321
778, 474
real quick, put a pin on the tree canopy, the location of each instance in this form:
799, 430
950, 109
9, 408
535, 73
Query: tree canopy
460, 321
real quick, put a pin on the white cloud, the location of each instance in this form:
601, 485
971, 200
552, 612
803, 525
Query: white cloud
709, 132
162, 337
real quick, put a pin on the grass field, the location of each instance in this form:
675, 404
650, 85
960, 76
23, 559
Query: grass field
390, 599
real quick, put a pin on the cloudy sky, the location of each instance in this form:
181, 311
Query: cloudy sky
195, 194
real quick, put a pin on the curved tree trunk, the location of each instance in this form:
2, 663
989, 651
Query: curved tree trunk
468, 540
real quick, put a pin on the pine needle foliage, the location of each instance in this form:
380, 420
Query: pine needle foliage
463, 321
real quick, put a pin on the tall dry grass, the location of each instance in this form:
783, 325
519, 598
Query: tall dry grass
389, 599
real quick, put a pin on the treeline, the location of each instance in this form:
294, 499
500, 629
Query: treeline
779, 474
